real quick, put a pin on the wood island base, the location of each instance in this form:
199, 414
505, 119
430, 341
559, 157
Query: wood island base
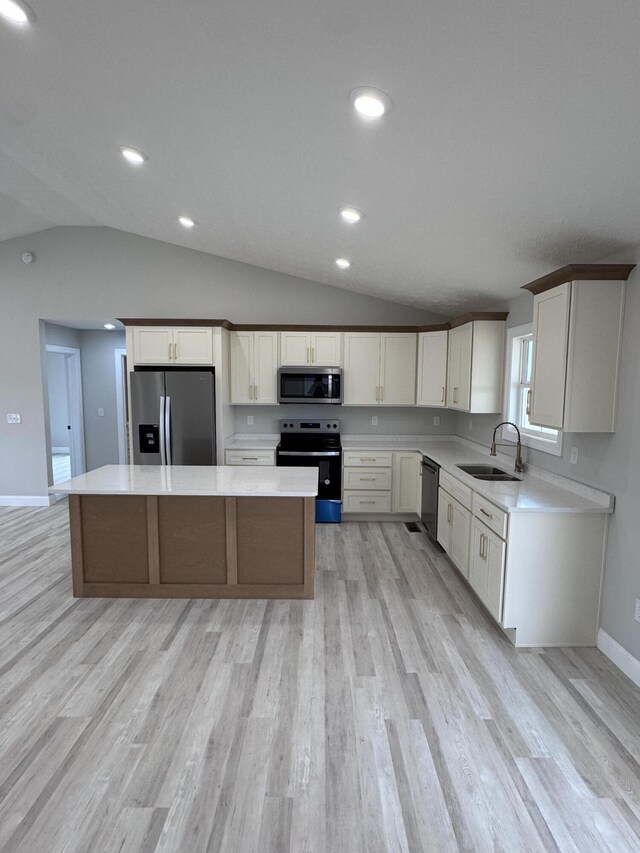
179, 546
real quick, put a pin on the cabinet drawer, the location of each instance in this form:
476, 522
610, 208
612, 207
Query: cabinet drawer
490, 515
366, 502
367, 478
249, 457
373, 459
456, 489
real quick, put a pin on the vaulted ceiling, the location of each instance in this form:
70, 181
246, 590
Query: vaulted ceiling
512, 146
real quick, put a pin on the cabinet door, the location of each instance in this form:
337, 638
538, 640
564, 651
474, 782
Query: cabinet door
295, 348
193, 345
361, 378
398, 368
453, 367
153, 345
265, 376
432, 368
460, 536
550, 334
486, 574
326, 349
406, 482
445, 508
241, 367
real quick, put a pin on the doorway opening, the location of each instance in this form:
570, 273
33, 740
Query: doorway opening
66, 420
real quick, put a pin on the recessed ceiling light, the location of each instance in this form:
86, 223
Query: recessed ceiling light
17, 12
131, 155
109, 326
343, 263
186, 221
370, 103
351, 214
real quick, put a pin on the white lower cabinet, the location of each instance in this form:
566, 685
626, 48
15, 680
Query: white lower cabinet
381, 481
454, 529
486, 567
249, 457
538, 573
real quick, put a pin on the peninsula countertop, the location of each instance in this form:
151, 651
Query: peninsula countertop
220, 480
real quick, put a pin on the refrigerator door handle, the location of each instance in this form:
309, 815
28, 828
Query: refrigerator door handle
163, 455
167, 428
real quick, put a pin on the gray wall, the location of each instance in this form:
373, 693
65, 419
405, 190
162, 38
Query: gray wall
609, 461
96, 274
58, 398
354, 420
99, 392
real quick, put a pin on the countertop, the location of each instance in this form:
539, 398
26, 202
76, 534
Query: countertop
221, 480
537, 491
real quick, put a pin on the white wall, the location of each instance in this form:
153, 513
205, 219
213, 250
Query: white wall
608, 461
96, 274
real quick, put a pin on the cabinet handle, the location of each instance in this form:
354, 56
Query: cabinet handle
528, 401
255, 392
449, 513
484, 512
367, 479
175, 352
442, 396
308, 359
367, 458
313, 355
381, 393
377, 393
480, 548
367, 502
249, 458
169, 352
455, 394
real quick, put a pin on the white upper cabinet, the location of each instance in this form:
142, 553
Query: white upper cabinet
475, 366
577, 334
432, 368
550, 333
379, 369
254, 368
192, 345
323, 349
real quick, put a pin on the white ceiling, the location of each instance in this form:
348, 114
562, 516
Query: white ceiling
513, 145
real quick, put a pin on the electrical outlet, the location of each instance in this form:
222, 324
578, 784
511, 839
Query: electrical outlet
249, 420
574, 456
374, 420
100, 413
13, 419
636, 614
436, 421
470, 424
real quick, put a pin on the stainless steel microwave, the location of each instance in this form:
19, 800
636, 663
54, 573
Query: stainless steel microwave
310, 385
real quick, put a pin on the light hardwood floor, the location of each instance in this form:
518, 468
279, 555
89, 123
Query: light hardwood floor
387, 715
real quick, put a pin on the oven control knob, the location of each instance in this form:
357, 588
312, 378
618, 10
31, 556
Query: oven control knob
326, 482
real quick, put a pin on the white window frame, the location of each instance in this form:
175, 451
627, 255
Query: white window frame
546, 444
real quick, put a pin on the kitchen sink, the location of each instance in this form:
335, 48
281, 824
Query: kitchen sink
488, 472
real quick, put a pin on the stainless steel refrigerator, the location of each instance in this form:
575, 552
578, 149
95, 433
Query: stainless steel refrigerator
173, 417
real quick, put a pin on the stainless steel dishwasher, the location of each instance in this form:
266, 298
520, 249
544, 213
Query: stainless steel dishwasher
429, 514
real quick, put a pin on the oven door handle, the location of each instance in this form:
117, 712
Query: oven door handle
309, 452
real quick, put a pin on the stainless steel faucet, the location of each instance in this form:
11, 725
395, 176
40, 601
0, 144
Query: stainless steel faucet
519, 463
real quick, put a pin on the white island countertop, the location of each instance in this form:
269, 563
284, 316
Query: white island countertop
219, 481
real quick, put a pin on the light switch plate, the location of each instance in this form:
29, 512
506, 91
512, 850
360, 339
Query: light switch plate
374, 420
470, 424
101, 413
249, 420
436, 421
14, 419
574, 456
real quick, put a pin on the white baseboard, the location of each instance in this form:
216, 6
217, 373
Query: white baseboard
65, 450
616, 653
26, 500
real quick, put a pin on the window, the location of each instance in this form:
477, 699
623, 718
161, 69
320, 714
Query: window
518, 394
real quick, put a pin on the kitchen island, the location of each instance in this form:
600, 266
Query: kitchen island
152, 531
